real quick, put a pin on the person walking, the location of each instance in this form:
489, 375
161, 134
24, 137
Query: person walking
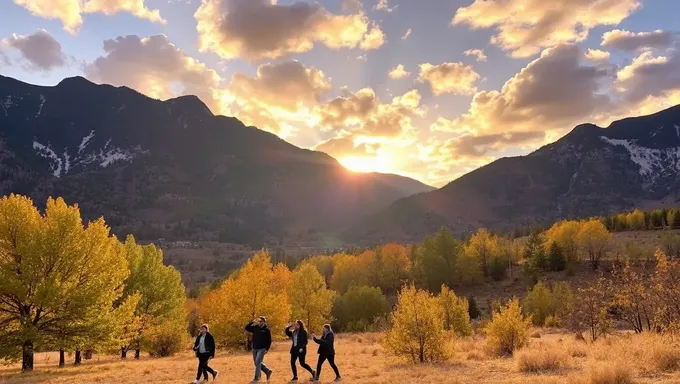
204, 347
262, 341
298, 350
326, 351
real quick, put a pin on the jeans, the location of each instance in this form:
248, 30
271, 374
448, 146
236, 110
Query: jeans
258, 356
203, 366
295, 355
331, 361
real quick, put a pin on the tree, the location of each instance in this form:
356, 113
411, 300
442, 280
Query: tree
538, 304
251, 291
556, 259
310, 299
665, 286
393, 267
591, 314
594, 239
674, 222
438, 261
636, 220
162, 294
473, 311
416, 331
455, 310
58, 278
483, 246
350, 271
563, 302
632, 299
671, 244
324, 264
359, 308
534, 257
508, 329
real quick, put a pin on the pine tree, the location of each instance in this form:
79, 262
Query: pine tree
58, 278
473, 311
556, 259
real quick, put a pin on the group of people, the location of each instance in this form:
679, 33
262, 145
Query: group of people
204, 346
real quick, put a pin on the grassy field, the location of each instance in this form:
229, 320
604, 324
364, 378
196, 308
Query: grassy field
551, 357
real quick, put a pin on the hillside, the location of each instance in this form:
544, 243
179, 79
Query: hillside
171, 169
634, 162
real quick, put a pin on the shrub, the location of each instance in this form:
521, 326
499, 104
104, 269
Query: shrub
417, 332
166, 339
538, 303
358, 309
536, 361
455, 311
610, 373
508, 329
665, 358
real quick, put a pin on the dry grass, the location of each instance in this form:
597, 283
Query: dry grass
542, 360
555, 358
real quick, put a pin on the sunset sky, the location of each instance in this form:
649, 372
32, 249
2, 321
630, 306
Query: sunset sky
430, 89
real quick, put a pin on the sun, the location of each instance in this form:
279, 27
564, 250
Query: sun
365, 164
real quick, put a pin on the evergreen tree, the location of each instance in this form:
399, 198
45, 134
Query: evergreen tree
556, 259
675, 223
534, 258
473, 311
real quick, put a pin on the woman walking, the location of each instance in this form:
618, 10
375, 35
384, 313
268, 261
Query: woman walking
326, 351
298, 350
204, 346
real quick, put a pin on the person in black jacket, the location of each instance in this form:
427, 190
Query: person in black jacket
262, 341
298, 350
204, 346
326, 351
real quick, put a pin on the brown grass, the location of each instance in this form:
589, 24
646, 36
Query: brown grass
541, 360
555, 358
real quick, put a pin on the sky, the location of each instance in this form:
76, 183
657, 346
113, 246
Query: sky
430, 89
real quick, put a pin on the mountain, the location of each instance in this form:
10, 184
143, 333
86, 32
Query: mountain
634, 162
172, 169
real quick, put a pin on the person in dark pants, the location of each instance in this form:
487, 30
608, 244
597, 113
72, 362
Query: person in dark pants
326, 351
204, 346
298, 350
262, 341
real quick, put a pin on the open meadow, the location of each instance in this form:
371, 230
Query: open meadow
554, 357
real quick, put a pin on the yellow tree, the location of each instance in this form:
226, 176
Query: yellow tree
350, 271
58, 278
455, 311
251, 291
565, 234
594, 239
394, 267
664, 290
636, 220
508, 329
483, 246
539, 304
632, 298
416, 331
309, 297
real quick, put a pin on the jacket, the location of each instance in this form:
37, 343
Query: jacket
209, 344
326, 344
301, 341
262, 336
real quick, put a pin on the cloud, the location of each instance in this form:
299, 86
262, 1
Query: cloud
524, 27
455, 78
478, 54
384, 6
650, 76
262, 29
353, 6
71, 12
407, 34
553, 92
399, 72
631, 41
152, 65
40, 49
598, 56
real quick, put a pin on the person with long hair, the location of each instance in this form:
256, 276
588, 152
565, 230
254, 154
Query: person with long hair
326, 351
204, 347
298, 350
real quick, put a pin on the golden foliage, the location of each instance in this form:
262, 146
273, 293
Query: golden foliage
508, 330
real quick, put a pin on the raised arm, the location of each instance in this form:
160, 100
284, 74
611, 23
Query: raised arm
288, 332
250, 327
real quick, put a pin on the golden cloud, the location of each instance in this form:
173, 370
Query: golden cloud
455, 78
525, 27
399, 72
478, 54
263, 29
70, 12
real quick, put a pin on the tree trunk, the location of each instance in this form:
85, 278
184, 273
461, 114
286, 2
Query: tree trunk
123, 353
78, 359
88, 354
62, 360
137, 354
27, 356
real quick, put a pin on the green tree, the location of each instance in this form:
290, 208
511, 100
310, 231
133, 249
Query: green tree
556, 259
359, 308
416, 331
534, 257
310, 299
437, 262
162, 294
675, 219
473, 310
455, 310
58, 278
538, 304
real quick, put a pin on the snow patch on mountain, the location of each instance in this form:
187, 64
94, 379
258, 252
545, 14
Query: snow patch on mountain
42, 102
104, 157
9, 102
652, 162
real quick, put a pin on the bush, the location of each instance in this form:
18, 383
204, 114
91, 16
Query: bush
617, 373
537, 361
455, 311
538, 304
166, 339
358, 309
508, 329
417, 332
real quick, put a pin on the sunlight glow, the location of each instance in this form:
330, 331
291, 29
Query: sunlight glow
366, 164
